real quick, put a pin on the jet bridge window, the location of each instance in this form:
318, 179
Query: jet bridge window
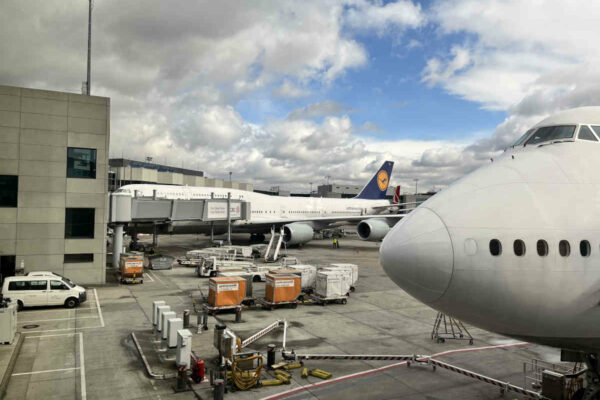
549, 133
519, 248
584, 248
585, 133
542, 248
495, 247
564, 248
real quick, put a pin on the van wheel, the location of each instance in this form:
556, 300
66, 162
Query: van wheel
71, 302
19, 305
256, 278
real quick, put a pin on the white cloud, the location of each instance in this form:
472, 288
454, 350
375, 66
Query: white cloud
315, 110
290, 90
394, 15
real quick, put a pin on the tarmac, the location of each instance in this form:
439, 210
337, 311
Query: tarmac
88, 352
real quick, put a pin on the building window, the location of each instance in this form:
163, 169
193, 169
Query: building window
79, 223
9, 187
495, 247
79, 258
81, 163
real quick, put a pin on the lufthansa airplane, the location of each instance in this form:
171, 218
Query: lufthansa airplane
299, 216
514, 247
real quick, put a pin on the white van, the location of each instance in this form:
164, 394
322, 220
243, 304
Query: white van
43, 290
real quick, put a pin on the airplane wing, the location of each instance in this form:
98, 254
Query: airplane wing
324, 222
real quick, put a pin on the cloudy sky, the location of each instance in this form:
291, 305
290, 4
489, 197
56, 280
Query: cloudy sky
289, 92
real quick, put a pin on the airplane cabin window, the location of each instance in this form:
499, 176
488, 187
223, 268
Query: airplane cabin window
519, 248
522, 138
542, 248
470, 247
564, 248
549, 133
586, 133
584, 248
495, 247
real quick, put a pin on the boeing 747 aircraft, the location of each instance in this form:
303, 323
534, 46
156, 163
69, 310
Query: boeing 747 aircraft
514, 247
299, 216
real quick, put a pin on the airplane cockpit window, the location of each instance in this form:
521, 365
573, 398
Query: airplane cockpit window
585, 133
596, 130
522, 138
550, 133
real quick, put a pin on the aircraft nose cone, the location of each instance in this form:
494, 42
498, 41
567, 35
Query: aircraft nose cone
417, 255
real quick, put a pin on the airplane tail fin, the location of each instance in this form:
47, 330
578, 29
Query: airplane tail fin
396, 199
377, 186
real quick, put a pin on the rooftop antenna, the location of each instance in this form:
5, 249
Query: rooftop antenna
88, 83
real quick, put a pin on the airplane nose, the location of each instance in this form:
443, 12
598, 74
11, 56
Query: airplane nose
417, 255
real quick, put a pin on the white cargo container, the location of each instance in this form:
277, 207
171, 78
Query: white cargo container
353, 268
308, 274
332, 283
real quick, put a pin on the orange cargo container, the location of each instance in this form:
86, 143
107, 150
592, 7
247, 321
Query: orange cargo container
132, 268
226, 291
282, 287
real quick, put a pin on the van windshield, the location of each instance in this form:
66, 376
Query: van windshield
68, 282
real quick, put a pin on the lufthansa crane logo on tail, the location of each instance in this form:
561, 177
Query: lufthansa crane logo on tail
382, 180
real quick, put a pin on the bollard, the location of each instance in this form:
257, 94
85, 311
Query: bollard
205, 320
186, 319
238, 315
219, 389
181, 380
271, 356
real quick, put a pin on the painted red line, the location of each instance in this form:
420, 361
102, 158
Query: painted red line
372, 371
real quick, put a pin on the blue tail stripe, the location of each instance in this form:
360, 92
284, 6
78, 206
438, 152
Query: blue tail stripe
376, 189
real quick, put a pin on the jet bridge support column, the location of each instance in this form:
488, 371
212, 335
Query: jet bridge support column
229, 218
117, 245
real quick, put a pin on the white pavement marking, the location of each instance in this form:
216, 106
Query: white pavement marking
45, 372
56, 319
157, 278
99, 310
45, 336
150, 276
82, 367
63, 329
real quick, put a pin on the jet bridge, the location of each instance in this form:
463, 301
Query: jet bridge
125, 210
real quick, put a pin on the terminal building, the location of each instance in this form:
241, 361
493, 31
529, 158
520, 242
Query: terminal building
124, 172
53, 183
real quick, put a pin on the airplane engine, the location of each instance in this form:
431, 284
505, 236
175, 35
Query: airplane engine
372, 229
297, 233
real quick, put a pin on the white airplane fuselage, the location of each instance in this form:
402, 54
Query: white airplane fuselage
264, 208
441, 253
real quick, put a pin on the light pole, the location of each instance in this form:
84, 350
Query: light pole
310, 194
328, 176
416, 185
230, 175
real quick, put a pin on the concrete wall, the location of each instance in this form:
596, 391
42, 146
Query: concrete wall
36, 127
214, 182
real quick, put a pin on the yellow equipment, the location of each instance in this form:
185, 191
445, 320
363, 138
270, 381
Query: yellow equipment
271, 382
292, 366
319, 373
245, 371
304, 373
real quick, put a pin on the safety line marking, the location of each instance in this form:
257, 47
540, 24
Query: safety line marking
45, 372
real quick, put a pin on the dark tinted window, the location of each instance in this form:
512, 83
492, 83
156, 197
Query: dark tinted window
519, 247
584, 248
9, 187
564, 248
38, 285
552, 133
18, 285
81, 163
585, 133
58, 285
522, 138
79, 223
542, 248
596, 129
495, 247
79, 258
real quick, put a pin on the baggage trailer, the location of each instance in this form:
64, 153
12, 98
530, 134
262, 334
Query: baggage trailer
132, 268
340, 299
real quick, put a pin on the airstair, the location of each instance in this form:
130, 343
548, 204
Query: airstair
446, 327
275, 236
